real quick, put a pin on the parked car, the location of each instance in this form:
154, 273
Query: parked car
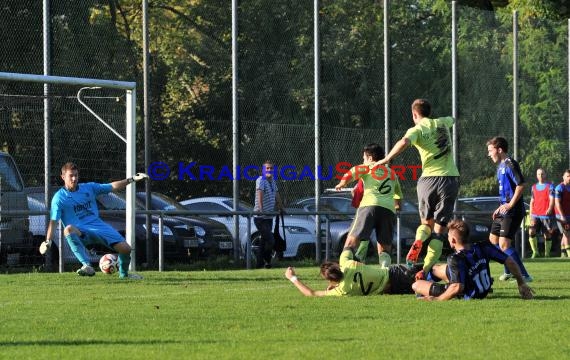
409, 214
14, 236
489, 204
38, 228
180, 241
299, 233
340, 225
214, 237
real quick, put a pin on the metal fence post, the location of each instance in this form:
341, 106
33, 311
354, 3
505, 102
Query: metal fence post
160, 243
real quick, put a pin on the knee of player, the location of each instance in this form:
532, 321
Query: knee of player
70, 229
531, 231
123, 248
415, 287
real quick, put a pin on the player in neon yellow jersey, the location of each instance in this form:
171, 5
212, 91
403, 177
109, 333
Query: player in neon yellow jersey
376, 210
438, 185
353, 278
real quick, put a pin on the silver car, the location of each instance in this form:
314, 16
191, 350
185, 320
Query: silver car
299, 233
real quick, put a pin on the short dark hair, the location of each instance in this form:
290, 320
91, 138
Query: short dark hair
374, 150
68, 166
499, 143
461, 228
422, 107
330, 270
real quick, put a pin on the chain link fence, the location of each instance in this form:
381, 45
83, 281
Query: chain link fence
191, 111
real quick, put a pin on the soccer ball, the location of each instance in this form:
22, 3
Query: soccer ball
109, 264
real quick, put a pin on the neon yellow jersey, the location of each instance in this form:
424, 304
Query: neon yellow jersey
432, 139
359, 279
381, 185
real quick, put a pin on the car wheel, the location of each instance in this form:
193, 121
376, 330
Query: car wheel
255, 248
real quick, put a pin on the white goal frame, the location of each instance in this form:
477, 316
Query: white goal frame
130, 117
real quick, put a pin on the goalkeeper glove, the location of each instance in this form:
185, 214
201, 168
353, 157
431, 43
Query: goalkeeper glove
138, 177
44, 247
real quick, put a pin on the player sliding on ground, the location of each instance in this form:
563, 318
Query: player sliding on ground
438, 185
467, 274
350, 277
75, 204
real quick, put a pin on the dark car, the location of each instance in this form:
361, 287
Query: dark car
14, 237
180, 241
214, 236
488, 204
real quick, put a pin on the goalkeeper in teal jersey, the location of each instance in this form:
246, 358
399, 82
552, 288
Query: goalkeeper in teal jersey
76, 206
353, 278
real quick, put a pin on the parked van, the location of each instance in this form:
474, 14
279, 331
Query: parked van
14, 230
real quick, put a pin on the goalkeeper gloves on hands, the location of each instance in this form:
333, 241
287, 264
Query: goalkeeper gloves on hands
44, 247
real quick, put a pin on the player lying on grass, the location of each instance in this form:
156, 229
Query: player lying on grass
350, 277
75, 204
467, 274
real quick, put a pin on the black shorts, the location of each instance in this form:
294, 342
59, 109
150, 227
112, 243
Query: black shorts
401, 280
437, 289
507, 225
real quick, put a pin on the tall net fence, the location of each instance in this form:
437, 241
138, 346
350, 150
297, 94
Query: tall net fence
191, 104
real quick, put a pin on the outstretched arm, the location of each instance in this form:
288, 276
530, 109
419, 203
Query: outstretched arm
400, 146
524, 290
121, 184
304, 289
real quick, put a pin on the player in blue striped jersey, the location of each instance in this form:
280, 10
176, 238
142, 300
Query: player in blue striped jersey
467, 273
511, 212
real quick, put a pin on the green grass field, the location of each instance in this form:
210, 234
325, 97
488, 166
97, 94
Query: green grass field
243, 314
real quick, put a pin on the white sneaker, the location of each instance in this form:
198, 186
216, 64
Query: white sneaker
86, 270
505, 277
132, 277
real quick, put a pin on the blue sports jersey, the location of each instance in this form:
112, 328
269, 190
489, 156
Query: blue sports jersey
510, 176
471, 268
78, 208
561, 193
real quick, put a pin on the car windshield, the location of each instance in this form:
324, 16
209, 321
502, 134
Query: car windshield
242, 205
9, 175
463, 206
115, 201
332, 217
160, 202
36, 204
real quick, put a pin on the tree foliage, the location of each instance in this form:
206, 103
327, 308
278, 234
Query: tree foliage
191, 73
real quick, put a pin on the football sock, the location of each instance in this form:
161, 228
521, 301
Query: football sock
124, 263
423, 232
512, 253
533, 240
547, 247
78, 248
433, 252
360, 254
384, 259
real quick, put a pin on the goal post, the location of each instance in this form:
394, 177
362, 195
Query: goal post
130, 122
